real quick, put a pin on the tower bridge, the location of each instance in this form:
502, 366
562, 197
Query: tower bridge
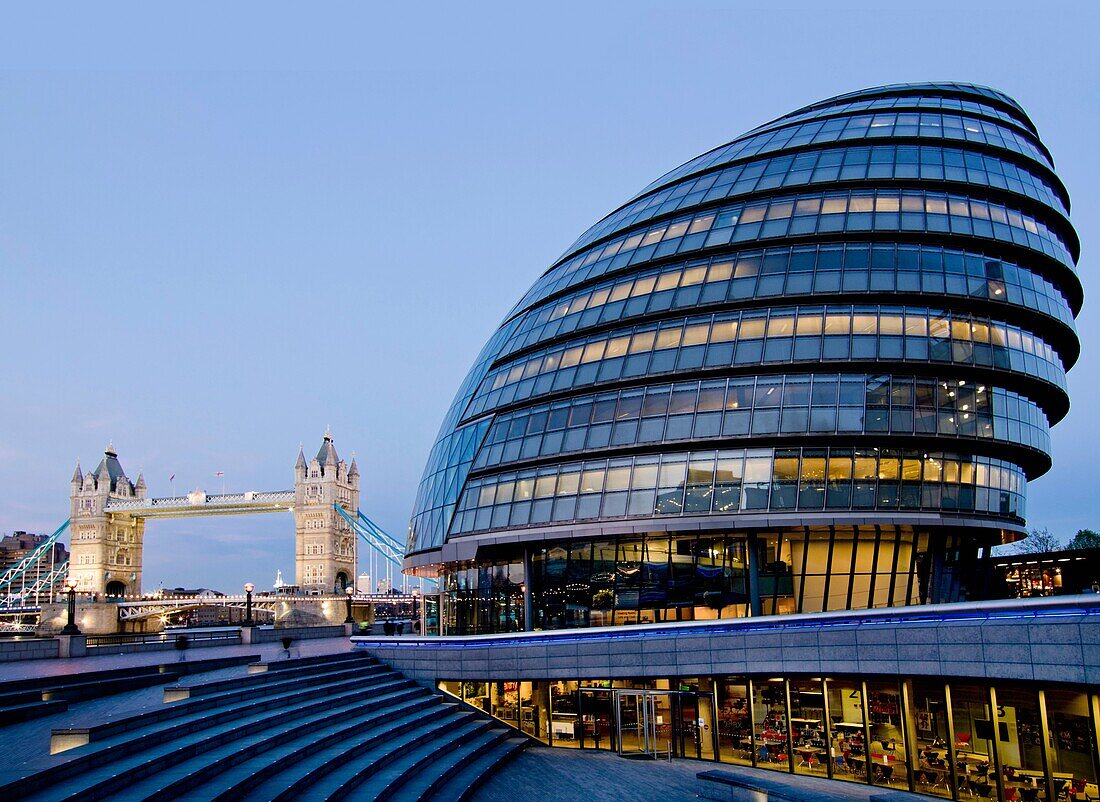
108, 514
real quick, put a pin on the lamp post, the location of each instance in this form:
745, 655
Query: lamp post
350, 591
248, 588
70, 626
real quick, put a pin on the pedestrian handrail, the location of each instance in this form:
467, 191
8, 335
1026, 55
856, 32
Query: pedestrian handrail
231, 635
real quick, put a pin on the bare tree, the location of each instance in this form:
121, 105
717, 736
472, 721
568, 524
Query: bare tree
1039, 540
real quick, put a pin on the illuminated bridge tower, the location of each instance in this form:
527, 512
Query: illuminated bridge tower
326, 551
106, 553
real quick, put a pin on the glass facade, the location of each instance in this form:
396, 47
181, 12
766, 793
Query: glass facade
680, 576
809, 270
753, 406
831, 165
853, 211
784, 335
742, 480
811, 369
953, 739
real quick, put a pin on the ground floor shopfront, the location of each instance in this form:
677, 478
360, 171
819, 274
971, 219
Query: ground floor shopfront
954, 739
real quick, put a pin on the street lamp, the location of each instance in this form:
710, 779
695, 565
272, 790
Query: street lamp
350, 591
248, 588
70, 627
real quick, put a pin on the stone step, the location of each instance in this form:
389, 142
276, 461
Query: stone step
43, 696
280, 764
300, 662
113, 769
38, 684
12, 714
70, 737
338, 771
175, 693
79, 691
146, 734
462, 784
290, 782
182, 668
322, 726
344, 728
383, 779
418, 785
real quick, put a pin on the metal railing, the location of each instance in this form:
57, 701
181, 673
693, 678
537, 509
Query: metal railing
226, 635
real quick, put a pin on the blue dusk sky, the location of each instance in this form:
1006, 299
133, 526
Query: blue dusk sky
225, 226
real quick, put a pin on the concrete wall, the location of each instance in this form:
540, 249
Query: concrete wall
93, 618
308, 613
269, 635
27, 648
1050, 640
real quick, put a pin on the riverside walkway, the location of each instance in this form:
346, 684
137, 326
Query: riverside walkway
577, 776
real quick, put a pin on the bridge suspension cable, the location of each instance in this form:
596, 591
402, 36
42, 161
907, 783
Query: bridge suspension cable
381, 544
35, 574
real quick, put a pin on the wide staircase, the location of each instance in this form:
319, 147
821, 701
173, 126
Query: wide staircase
21, 700
319, 728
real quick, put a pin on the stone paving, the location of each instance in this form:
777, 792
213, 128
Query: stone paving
26, 745
568, 775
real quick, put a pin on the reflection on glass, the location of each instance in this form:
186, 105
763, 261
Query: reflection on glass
847, 747
887, 752
808, 727
974, 738
932, 772
770, 724
733, 722
744, 480
534, 702
1019, 741
1073, 758
565, 723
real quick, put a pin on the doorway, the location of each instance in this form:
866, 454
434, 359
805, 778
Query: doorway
645, 722
664, 723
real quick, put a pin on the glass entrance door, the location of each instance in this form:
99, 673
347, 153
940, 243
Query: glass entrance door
645, 720
696, 739
597, 719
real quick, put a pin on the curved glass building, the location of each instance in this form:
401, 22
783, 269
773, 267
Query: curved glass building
811, 369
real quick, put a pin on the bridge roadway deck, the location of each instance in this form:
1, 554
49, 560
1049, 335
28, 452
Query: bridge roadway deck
26, 746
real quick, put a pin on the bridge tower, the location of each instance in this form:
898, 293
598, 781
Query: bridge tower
326, 550
105, 554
